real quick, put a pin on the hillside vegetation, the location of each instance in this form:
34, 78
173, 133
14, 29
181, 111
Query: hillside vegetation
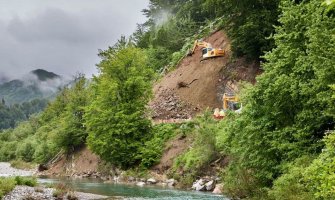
20, 98
280, 147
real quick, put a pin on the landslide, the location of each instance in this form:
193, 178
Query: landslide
206, 82
196, 85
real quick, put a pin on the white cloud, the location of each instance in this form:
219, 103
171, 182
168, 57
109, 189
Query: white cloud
62, 36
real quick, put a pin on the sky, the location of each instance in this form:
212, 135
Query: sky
62, 36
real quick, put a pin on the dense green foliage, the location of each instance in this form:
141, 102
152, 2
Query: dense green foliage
8, 184
152, 150
10, 115
280, 147
195, 161
171, 24
289, 110
59, 126
116, 119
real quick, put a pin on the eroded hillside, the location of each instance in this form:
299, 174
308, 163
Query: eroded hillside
197, 84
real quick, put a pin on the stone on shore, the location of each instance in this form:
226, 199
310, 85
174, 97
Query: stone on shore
209, 185
152, 181
218, 189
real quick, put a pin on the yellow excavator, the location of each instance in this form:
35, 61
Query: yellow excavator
207, 50
230, 102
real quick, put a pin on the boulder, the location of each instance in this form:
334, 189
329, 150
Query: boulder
141, 184
199, 185
218, 189
171, 182
209, 185
42, 167
151, 181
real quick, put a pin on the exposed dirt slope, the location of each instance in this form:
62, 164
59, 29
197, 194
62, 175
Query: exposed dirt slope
196, 85
172, 149
80, 162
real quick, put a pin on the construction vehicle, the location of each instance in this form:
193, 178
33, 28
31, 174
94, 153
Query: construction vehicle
230, 102
207, 50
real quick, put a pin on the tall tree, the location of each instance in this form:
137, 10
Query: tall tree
116, 119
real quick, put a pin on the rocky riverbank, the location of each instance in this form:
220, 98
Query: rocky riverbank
6, 171
39, 192
25, 192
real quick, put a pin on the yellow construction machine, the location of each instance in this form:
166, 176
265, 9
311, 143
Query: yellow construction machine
230, 102
207, 50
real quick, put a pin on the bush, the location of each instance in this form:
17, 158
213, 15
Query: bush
152, 150
6, 185
200, 154
239, 182
61, 190
320, 176
28, 181
291, 184
25, 151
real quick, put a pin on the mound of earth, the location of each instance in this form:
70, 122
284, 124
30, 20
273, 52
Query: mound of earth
196, 85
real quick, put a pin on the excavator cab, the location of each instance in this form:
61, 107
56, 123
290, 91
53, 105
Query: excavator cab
230, 102
207, 51
210, 52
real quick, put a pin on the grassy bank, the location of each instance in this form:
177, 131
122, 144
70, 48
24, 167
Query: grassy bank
7, 184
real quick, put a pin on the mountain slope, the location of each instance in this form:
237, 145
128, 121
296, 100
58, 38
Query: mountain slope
35, 85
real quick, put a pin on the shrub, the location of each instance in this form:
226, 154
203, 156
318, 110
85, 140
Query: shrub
320, 175
28, 181
6, 185
152, 150
200, 154
291, 185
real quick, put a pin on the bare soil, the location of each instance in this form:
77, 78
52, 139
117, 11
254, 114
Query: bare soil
196, 85
82, 161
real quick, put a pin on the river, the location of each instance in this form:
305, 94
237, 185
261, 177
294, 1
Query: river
131, 192
125, 191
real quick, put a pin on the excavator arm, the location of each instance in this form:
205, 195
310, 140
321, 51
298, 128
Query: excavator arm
207, 50
199, 43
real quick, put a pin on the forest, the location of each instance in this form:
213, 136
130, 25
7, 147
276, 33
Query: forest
12, 114
282, 146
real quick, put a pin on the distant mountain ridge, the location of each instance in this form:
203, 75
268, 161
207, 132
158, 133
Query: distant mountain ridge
44, 75
37, 84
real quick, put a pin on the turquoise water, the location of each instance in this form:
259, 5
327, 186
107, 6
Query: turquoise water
132, 192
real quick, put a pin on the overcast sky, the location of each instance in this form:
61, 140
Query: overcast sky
62, 36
